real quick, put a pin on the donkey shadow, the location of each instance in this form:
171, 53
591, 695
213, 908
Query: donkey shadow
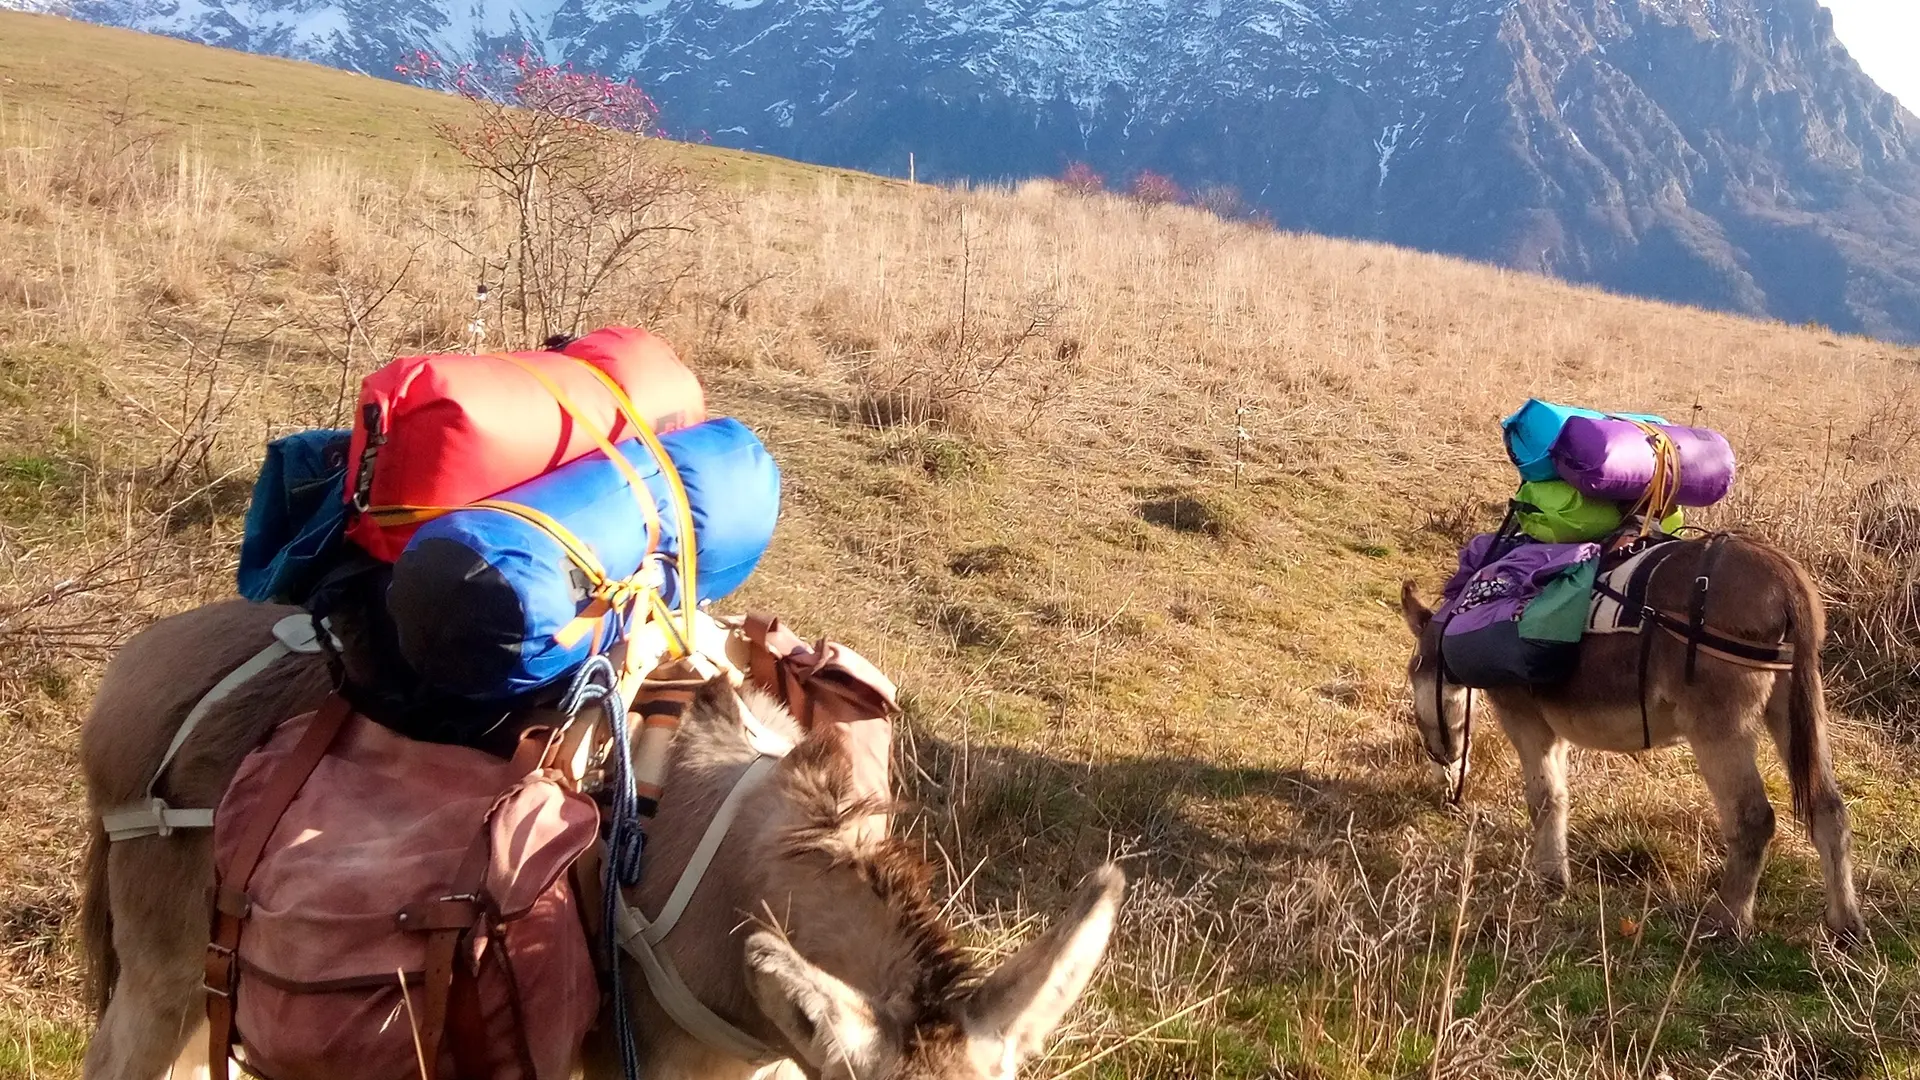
1038, 816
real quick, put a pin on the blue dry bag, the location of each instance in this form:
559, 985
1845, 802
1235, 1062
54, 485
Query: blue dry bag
482, 598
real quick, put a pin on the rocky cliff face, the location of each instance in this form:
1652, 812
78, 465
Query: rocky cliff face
1723, 153
1719, 152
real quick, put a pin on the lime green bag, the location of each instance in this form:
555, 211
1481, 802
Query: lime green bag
1555, 512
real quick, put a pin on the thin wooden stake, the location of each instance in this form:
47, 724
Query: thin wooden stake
1606, 965
1453, 950
413, 1025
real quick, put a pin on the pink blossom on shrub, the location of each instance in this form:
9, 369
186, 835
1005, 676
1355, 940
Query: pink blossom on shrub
1154, 188
1080, 179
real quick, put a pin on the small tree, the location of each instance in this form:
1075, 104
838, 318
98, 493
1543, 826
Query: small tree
1222, 201
591, 193
1154, 188
1080, 179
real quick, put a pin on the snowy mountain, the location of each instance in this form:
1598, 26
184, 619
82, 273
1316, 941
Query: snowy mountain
1721, 152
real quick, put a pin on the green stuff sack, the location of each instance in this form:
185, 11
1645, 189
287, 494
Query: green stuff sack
1559, 613
1554, 512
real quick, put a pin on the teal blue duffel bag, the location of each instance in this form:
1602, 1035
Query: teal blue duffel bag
1533, 429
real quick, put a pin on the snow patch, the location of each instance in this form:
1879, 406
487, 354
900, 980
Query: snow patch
1385, 145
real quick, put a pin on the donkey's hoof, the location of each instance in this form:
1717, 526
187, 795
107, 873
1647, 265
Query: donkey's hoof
1849, 930
1719, 921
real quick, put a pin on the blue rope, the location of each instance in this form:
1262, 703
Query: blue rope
596, 683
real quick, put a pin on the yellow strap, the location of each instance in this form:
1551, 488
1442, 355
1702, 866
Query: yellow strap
608, 593
641, 493
1663, 491
606, 590
683, 508
401, 514
677, 644
577, 550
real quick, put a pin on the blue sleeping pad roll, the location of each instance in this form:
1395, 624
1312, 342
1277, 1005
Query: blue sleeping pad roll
479, 595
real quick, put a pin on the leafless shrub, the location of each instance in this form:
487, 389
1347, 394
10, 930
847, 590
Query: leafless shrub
591, 197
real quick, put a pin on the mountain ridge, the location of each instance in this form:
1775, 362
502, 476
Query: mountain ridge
1725, 153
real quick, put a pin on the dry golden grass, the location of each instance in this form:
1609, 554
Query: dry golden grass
1121, 496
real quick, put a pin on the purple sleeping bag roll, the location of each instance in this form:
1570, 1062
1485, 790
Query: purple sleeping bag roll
1614, 459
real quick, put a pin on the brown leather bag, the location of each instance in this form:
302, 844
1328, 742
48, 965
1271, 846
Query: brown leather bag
351, 860
827, 683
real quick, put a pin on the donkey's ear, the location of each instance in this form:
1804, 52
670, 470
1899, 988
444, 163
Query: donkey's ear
1012, 1014
1416, 613
827, 1022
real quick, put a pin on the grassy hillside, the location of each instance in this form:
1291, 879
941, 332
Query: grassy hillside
238, 107
1122, 497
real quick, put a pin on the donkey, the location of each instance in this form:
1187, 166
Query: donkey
812, 932
1758, 593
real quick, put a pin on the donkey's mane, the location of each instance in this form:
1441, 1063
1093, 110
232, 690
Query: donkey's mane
821, 787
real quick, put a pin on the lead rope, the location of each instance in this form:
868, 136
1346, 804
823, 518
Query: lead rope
597, 683
1466, 752
1446, 730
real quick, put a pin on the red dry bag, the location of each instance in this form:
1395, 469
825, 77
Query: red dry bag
446, 430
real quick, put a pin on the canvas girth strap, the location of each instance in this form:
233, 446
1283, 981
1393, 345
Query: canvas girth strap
151, 815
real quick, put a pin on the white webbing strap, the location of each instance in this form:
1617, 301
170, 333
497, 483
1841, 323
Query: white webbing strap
639, 936
153, 817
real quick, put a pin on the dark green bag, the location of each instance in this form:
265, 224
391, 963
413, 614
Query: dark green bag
1559, 613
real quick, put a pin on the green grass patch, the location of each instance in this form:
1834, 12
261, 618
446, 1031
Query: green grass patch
31, 1047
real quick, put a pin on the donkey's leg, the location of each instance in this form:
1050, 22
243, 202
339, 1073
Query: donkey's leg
192, 1062
1827, 811
1543, 767
160, 920
1746, 821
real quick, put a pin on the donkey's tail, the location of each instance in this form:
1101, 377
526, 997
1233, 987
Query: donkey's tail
1806, 749
96, 923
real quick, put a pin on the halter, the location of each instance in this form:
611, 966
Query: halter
1459, 792
640, 937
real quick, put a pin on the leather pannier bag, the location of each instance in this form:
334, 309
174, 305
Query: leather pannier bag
389, 909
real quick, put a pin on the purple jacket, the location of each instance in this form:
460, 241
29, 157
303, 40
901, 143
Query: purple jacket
1483, 592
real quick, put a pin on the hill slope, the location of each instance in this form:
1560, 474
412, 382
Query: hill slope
1121, 496
1726, 153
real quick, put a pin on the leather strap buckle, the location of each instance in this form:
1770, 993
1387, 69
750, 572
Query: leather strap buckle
220, 971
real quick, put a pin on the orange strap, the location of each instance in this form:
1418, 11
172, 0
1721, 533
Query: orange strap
641, 493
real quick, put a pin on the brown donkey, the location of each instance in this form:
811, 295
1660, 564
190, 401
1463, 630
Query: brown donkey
1758, 594
811, 933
